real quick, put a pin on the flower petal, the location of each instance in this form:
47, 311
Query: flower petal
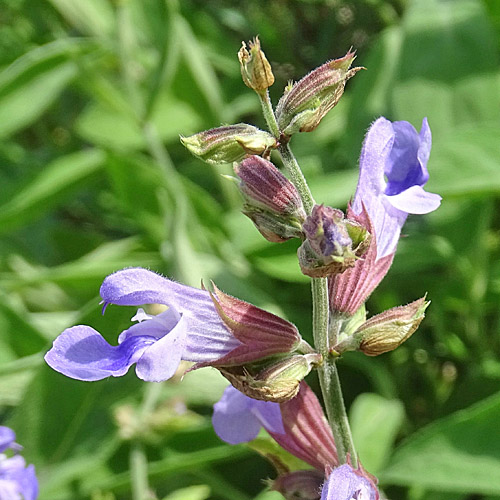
343, 483
208, 340
7, 438
161, 360
398, 152
376, 149
9, 490
403, 168
154, 326
415, 201
27, 483
238, 418
137, 286
82, 353
424, 150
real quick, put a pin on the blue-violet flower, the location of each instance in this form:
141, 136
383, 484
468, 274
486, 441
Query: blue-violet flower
198, 326
344, 483
238, 418
17, 481
393, 171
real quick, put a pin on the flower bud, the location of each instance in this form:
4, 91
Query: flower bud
386, 331
271, 201
305, 103
276, 381
299, 485
332, 243
229, 143
255, 68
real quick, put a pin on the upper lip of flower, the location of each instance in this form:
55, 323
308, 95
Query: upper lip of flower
398, 152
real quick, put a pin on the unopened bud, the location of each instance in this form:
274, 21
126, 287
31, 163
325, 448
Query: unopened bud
300, 485
271, 201
255, 68
228, 144
305, 103
388, 330
333, 243
276, 381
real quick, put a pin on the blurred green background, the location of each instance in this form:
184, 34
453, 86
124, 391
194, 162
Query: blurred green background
93, 97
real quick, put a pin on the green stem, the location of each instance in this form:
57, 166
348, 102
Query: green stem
336, 412
297, 176
328, 375
138, 458
139, 472
267, 110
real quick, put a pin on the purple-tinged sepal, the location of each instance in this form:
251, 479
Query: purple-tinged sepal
307, 433
299, 485
346, 483
306, 102
271, 201
272, 357
261, 334
388, 330
229, 143
299, 425
349, 290
256, 71
276, 380
333, 243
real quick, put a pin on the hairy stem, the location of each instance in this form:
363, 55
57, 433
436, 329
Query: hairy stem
328, 375
267, 110
336, 412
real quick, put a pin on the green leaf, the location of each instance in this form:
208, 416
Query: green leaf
335, 189
91, 17
437, 63
108, 127
267, 447
465, 163
201, 69
34, 81
56, 180
93, 266
199, 492
375, 422
459, 453
280, 261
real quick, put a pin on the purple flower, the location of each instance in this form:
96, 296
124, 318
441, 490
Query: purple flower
238, 418
190, 329
393, 171
344, 483
7, 438
198, 326
298, 425
17, 482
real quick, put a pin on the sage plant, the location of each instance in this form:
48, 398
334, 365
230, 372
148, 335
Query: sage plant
264, 357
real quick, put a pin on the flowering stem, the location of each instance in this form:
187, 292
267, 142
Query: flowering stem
336, 412
267, 110
297, 176
328, 375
